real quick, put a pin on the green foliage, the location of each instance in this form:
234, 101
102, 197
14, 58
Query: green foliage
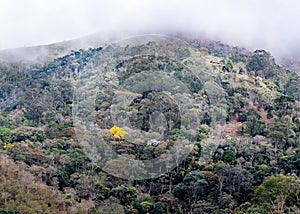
144, 205
125, 194
5, 135
39, 136
229, 157
242, 116
291, 163
292, 86
269, 116
203, 133
193, 188
283, 100
277, 193
229, 90
207, 119
253, 125
263, 64
158, 208
228, 66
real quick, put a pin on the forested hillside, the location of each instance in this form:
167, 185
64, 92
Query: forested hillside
151, 124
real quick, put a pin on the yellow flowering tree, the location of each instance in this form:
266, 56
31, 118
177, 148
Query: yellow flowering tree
9, 146
118, 132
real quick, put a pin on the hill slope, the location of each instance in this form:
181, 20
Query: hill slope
203, 125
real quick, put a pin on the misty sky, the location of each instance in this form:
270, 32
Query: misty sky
269, 24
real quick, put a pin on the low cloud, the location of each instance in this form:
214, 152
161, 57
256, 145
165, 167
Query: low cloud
255, 24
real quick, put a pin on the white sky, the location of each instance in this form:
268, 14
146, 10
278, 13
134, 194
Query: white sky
270, 24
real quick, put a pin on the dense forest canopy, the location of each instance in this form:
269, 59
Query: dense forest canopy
152, 124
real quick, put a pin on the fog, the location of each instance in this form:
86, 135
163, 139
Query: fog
255, 24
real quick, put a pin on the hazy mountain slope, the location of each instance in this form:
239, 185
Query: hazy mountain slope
292, 63
238, 111
45, 53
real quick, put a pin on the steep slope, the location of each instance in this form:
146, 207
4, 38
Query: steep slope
203, 125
